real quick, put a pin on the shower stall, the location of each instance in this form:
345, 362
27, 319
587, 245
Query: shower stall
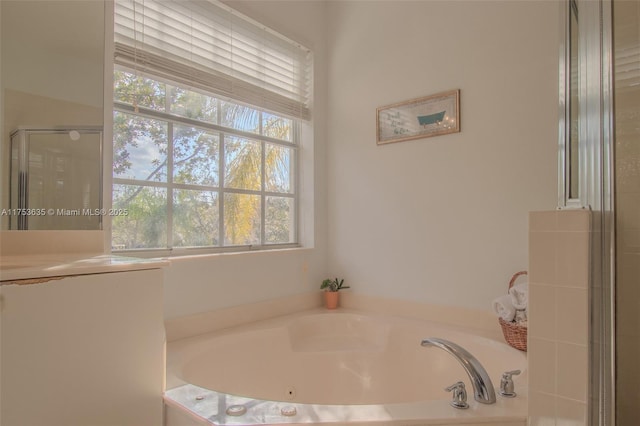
626, 83
56, 178
599, 165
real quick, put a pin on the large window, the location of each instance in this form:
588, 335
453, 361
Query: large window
208, 106
194, 170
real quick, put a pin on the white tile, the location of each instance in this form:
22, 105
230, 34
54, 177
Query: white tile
572, 259
572, 369
542, 365
543, 221
542, 410
570, 413
542, 311
574, 220
572, 315
542, 257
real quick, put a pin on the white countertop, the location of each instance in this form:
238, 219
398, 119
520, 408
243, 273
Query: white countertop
13, 268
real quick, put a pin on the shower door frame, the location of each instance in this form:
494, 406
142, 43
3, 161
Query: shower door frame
596, 185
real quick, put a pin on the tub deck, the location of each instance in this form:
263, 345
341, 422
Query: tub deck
189, 405
255, 360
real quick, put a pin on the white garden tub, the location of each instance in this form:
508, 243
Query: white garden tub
340, 367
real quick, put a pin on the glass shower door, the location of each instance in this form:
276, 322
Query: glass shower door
626, 28
56, 179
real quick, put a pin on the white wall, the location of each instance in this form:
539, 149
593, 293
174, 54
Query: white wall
52, 60
54, 49
441, 220
208, 283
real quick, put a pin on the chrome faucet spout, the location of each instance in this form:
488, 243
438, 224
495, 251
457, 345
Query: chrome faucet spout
482, 386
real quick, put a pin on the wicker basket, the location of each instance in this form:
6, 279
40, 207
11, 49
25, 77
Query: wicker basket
514, 334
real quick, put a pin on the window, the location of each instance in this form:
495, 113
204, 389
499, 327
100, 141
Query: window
193, 170
201, 158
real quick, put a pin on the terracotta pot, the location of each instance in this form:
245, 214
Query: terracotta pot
331, 299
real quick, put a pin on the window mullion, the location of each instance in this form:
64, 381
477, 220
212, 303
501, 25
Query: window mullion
263, 201
263, 174
169, 184
147, 183
221, 168
210, 127
295, 223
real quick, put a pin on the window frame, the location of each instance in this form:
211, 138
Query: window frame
222, 132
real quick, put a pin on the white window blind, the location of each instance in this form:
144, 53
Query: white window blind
209, 46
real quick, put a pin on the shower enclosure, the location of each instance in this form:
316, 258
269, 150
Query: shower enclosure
56, 178
626, 65
599, 165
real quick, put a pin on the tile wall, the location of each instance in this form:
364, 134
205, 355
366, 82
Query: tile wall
558, 317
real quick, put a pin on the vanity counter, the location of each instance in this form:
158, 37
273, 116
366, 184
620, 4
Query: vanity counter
39, 256
30, 267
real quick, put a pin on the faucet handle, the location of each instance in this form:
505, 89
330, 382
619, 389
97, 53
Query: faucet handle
459, 395
506, 383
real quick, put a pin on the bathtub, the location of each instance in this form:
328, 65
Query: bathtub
334, 367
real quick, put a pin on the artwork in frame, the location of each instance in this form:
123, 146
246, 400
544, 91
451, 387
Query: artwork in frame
419, 118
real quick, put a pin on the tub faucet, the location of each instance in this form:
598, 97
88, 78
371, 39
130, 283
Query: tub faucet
482, 387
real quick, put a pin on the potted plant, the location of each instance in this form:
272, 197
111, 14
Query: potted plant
331, 288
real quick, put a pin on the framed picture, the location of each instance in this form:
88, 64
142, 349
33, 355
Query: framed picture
419, 118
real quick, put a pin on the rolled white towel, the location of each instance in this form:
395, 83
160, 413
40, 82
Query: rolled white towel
520, 296
504, 308
521, 316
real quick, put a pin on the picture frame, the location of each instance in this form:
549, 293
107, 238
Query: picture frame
419, 118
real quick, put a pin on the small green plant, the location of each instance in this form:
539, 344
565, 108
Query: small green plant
333, 285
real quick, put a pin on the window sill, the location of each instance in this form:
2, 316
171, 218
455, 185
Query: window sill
194, 253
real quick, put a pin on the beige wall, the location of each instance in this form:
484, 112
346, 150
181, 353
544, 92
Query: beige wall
558, 317
440, 220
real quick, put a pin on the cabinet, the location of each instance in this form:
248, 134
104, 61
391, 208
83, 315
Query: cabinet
85, 350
